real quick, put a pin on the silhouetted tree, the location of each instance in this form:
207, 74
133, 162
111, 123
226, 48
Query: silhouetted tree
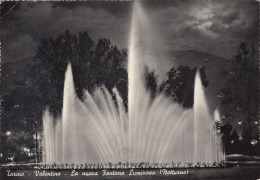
240, 95
180, 84
226, 131
93, 65
234, 136
22, 108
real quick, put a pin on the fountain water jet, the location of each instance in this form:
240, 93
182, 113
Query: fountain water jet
153, 130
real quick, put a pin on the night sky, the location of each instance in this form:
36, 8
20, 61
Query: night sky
213, 27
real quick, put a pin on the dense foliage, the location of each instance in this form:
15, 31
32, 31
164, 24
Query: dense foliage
239, 98
93, 65
180, 84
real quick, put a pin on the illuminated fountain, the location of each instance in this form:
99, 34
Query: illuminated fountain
99, 130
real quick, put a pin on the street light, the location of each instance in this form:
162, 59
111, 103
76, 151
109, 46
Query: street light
38, 137
26, 150
253, 142
8, 133
239, 122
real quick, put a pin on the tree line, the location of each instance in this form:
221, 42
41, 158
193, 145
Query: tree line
93, 64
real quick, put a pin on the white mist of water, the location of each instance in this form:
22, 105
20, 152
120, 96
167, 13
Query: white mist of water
220, 154
99, 130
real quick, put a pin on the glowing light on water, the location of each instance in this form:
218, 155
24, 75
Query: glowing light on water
153, 130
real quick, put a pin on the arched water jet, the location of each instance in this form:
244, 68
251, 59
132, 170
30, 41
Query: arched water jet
105, 122
153, 130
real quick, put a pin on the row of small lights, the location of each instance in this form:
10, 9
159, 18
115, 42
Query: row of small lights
240, 123
8, 133
253, 141
26, 150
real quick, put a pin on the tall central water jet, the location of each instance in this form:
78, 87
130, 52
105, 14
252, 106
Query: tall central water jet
153, 130
137, 96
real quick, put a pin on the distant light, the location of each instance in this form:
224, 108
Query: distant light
256, 122
1, 155
232, 141
34, 136
16, 105
253, 142
220, 95
26, 149
8, 133
239, 122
